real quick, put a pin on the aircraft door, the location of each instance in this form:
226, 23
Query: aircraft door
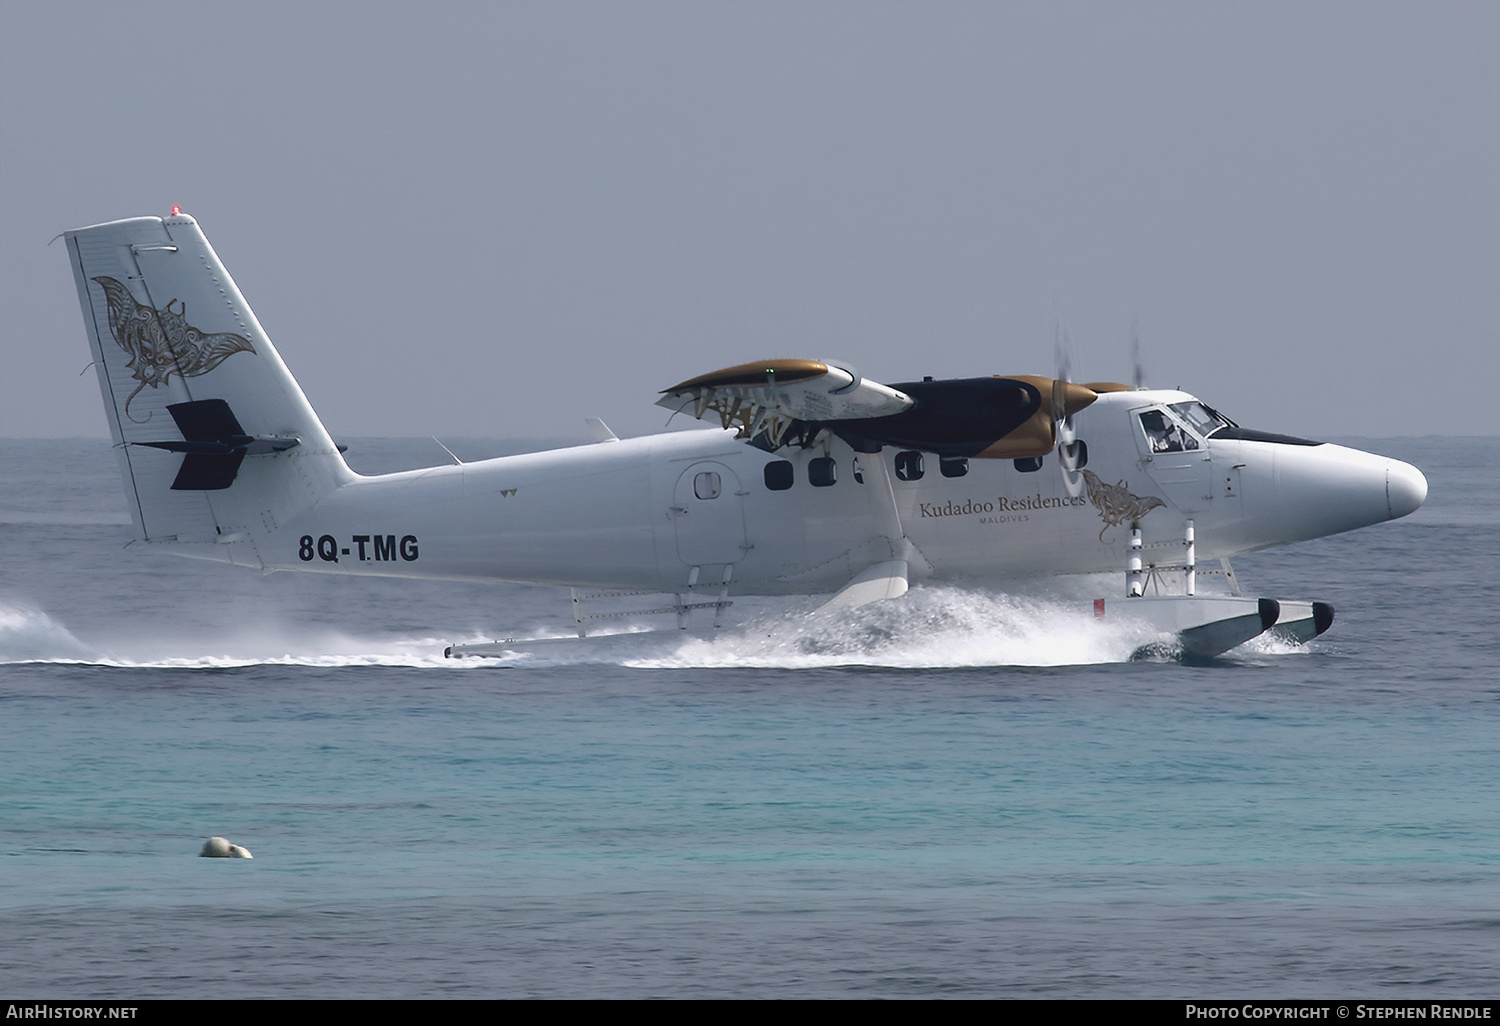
708, 509
1176, 457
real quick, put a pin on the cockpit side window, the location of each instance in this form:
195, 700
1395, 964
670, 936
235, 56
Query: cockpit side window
1164, 434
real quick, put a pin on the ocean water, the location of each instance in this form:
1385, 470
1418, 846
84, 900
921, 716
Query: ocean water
961, 794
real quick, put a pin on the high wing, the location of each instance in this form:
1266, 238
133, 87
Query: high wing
773, 395
780, 402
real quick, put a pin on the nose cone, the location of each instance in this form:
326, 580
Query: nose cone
1318, 490
1405, 488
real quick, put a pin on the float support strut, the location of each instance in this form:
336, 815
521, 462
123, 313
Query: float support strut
1135, 584
1190, 563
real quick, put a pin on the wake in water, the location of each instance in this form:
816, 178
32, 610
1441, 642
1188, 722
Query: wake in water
939, 627
30, 635
930, 627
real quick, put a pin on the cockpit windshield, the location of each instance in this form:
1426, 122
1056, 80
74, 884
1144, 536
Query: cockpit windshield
1184, 429
1203, 419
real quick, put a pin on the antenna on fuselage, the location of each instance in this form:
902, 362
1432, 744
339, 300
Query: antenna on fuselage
1137, 372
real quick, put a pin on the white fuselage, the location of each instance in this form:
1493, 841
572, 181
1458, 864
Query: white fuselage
644, 513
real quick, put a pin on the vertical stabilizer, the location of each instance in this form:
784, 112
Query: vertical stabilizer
216, 440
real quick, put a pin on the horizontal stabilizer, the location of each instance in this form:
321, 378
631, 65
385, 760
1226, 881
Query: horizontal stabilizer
201, 473
214, 443
204, 419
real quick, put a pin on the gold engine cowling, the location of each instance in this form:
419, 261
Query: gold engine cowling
998, 417
1037, 435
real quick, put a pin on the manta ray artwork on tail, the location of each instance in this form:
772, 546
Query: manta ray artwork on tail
162, 342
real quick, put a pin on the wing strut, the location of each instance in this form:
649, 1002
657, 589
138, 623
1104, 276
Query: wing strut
887, 578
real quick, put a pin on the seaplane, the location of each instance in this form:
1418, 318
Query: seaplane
811, 480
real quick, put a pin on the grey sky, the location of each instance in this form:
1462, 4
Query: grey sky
495, 219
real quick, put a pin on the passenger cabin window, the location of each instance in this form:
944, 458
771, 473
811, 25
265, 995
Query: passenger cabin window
1164, 434
953, 466
707, 485
779, 475
909, 465
822, 471
1028, 464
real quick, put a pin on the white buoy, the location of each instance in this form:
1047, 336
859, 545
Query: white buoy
219, 848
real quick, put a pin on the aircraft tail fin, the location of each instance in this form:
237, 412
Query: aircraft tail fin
185, 368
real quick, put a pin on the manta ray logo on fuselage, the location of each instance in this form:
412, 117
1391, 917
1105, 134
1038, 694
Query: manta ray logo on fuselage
1116, 503
161, 343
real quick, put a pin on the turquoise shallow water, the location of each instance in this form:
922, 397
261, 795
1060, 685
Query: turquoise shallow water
968, 795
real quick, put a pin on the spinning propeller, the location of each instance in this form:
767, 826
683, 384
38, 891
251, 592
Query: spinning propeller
1069, 449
